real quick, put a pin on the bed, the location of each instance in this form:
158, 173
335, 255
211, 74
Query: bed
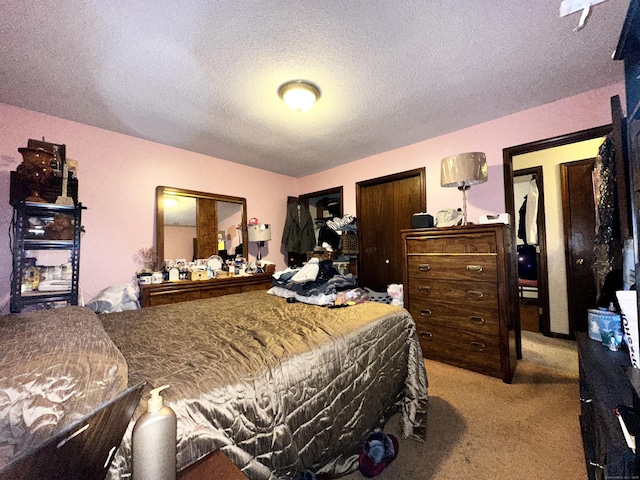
278, 387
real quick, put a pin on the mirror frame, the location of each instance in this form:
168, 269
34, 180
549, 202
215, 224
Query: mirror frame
162, 190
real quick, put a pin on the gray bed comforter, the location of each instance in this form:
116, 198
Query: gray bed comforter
56, 366
278, 387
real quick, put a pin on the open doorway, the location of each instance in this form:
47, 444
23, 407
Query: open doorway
528, 197
550, 250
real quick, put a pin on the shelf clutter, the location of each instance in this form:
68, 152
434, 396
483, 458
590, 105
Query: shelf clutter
46, 229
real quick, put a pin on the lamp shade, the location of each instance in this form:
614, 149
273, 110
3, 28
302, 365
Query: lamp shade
260, 232
463, 170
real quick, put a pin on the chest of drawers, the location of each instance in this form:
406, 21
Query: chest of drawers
460, 286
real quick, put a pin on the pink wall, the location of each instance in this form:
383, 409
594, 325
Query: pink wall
118, 175
569, 115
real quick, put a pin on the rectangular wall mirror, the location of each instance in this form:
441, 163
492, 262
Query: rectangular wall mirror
192, 225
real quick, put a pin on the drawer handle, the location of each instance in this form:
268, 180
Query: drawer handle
426, 290
586, 400
427, 335
475, 294
424, 312
475, 268
477, 320
424, 267
478, 346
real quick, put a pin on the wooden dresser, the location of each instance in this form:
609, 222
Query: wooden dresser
460, 285
186, 290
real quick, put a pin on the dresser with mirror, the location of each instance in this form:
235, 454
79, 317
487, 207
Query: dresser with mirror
194, 225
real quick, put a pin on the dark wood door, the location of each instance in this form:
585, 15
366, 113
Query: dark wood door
578, 210
384, 206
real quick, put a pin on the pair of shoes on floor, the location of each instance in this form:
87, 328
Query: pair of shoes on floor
379, 450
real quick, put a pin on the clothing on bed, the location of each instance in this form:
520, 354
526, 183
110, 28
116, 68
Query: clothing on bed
278, 387
321, 283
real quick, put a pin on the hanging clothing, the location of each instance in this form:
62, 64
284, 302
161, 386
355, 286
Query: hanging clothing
531, 217
522, 216
298, 235
528, 215
328, 235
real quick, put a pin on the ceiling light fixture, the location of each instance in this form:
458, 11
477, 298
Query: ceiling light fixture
299, 95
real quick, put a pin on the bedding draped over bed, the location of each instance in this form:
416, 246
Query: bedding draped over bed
54, 369
278, 387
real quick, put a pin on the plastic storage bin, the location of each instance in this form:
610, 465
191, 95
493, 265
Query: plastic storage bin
605, 325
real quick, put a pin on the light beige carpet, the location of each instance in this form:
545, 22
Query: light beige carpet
556, 353
481, 428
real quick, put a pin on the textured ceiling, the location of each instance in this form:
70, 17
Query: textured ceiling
203, 75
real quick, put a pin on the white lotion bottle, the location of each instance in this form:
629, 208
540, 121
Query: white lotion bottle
154, 441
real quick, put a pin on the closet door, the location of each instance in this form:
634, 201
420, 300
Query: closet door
384, 207
579, 218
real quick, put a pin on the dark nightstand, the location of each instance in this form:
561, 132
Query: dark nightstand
215, 466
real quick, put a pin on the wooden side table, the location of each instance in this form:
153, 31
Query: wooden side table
215, 466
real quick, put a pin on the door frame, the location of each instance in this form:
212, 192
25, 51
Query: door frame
507, 158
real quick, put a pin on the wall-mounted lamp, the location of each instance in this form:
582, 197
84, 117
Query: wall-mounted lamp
299, 95
462, 171
259, 233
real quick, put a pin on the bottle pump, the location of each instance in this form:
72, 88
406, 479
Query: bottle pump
154, 441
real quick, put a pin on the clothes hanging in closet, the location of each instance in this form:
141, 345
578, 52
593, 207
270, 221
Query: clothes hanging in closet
531, 218
298, 235
528, 215
522, 215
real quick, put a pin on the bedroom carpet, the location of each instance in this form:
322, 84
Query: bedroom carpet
481, 428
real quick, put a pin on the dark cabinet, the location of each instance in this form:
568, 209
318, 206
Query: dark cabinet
604, 386
38, 228
606, 378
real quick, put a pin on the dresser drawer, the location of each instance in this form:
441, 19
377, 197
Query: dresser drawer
454, 267
459, 304
482, 319
458, 243
465, 292
473, 351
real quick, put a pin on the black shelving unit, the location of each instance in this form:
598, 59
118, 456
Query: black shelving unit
26, 238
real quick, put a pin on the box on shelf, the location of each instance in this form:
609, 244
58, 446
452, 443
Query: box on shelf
421, 220
198, 274
349, 243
